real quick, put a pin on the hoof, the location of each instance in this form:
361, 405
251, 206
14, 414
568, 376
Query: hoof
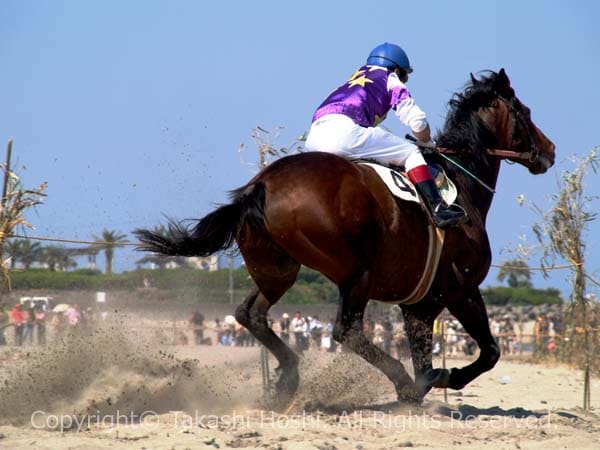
287, 384
410, 394
439, 378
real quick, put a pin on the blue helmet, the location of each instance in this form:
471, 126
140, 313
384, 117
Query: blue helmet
390, 56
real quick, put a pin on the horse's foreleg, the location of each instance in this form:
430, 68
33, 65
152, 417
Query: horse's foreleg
252, 314
471, 313
418, 324
348, 331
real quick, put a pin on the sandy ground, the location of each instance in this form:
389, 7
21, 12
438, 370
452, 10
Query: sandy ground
120, 389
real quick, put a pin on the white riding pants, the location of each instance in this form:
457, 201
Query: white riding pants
338, 134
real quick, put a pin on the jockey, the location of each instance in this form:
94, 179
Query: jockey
346, 124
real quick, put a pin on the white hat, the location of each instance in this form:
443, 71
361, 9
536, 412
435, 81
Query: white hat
230, 320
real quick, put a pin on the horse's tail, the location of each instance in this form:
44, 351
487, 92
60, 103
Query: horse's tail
214, 232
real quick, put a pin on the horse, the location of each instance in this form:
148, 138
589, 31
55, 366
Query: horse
338, 218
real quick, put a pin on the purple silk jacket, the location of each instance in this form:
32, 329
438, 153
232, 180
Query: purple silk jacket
364, 98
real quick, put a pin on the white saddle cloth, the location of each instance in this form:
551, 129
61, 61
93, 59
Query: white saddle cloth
400, 186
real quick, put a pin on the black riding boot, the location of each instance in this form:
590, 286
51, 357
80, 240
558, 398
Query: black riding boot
442, 214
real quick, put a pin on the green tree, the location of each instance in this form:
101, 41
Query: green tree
107, 241
13, 249
57, 258
23, 251
516, 272
31, 252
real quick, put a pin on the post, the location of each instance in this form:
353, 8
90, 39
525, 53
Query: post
174, 330
264, 354
230, 279
6, 172
4, 272
261, 161
264, 368
443, 330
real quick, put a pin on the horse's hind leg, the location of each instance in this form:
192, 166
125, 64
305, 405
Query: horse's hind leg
272, 281
348, 330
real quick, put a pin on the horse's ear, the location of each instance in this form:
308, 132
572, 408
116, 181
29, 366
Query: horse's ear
502, 83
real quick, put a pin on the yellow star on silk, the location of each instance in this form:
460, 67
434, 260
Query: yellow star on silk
356, 74
379, 119
360, 81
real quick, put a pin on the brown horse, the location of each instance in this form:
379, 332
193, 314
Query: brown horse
338, 218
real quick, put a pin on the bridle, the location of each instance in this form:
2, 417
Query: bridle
516, 118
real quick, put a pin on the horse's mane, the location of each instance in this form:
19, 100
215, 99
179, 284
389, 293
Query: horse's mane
463, 130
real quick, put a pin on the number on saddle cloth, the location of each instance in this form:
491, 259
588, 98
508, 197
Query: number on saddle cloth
401, 187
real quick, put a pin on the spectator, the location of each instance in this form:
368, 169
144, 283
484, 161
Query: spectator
400, 342
28, 323
4, 323
228, 331
197, 322
73, 315
327, 342
507, 334
17, 318
494, 326
40, 323
452, 337
541, 332
299, 328
284, 328
316, 331
551, 345
378, 334
58, 323
227, 336
369, 329
218, 330
388, 330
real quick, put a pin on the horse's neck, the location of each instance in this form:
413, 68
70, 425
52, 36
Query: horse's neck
477, 198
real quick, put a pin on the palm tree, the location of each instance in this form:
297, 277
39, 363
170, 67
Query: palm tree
108, 240
57, 258
13, 249
516, 272
23, 251
31, 252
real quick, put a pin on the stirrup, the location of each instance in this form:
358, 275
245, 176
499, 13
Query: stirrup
455, 215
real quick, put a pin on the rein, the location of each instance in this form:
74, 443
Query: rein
501, 153
530, 156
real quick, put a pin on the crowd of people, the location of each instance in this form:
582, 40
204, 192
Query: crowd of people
516, 330
29, 322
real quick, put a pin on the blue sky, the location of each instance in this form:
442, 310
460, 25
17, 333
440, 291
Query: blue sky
132, 110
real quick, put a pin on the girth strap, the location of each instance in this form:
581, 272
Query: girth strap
434, 251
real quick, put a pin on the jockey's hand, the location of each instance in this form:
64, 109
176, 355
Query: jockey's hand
430, 144
423, 135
